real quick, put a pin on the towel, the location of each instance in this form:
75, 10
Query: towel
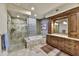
5, 41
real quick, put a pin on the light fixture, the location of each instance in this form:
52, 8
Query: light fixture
56, 23
65, 22
18, 16
32, 8
28, 12
35, 15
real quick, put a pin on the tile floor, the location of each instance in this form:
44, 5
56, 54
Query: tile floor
37, 51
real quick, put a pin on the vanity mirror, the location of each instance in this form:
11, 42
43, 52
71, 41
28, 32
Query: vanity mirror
61, 26
65, 23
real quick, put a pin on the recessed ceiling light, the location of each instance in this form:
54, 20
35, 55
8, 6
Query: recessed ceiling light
18, 16
32, 8
35, 15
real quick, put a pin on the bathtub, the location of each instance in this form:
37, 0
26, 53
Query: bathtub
35, 40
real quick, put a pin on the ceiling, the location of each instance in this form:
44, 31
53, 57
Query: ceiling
40, 8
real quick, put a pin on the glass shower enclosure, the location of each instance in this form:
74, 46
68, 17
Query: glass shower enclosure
17, 30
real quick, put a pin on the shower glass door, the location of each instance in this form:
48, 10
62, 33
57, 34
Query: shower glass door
17, 30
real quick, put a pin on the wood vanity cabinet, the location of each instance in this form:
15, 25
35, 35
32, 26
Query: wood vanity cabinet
72, 25
77, 48
60, 42
69, 46
54, 42
66, 45
78, 25
48, 40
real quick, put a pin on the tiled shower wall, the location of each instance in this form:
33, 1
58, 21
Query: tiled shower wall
44, 26
31, 23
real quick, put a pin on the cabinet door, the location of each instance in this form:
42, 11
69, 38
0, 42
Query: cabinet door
66, 46
54, 41
78, 25
77, 49
60, 43
72, 25
48, 39
69, 46
72, 47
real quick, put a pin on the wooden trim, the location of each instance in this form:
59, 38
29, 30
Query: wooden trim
49, 26
66, 13
59, 18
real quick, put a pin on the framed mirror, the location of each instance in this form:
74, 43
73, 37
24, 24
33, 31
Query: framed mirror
61, 26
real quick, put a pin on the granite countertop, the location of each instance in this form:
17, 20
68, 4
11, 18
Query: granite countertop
64, 36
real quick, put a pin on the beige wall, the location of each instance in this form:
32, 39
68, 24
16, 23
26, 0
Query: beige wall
3, 20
